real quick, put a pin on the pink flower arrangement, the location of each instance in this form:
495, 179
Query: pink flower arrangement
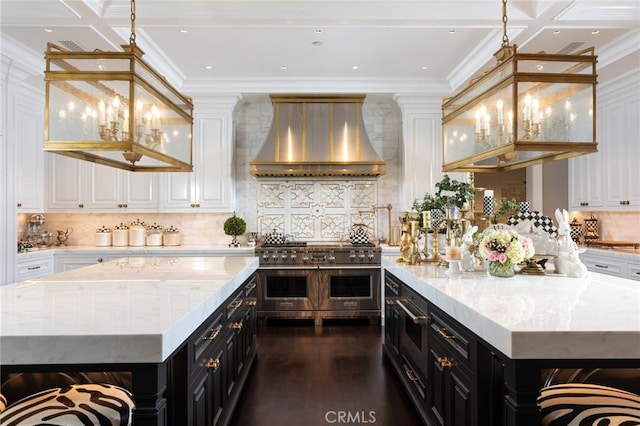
505, 245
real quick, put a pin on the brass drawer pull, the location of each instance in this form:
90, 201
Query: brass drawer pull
601, 266
391, 285
251, 303
411, 375
390, 302
250, 286
236, 325
443, 332
213, 363
214, 334
236, 304
444, 362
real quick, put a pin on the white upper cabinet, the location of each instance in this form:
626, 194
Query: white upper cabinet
65, 183
26, 135
111, 189
210, 186
608, 179
621, 123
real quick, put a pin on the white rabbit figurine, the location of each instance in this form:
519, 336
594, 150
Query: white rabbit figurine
567, 262
468, 260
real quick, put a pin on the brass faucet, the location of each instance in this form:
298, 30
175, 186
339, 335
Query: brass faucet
374, 210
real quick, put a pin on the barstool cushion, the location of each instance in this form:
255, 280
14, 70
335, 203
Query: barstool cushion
82, 405
583, 404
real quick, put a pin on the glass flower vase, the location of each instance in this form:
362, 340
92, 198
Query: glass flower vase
503, 270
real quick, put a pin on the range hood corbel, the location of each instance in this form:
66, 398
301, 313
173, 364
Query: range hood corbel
319, 136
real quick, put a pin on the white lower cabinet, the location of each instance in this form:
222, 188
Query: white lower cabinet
614, 263
67, 262
34, 265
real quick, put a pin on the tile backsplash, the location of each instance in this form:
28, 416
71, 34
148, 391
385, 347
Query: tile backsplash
198, 229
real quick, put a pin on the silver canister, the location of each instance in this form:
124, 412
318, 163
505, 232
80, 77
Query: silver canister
171, 236
120, 235
154, 235
137, 233
103, 237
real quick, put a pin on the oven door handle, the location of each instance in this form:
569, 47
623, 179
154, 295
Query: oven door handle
349, 267
417, 319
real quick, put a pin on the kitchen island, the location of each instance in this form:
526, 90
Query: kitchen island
138, 315
488, 339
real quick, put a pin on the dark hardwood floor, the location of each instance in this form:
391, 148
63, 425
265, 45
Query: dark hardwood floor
334, 374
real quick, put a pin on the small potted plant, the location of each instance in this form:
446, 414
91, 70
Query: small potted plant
235, 226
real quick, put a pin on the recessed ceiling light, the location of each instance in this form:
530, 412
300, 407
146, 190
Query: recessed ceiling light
318, 31
452, 31
556, 31
283, 67
183, 31
424, 67
595, 31
48, 30
355, 67
208, 67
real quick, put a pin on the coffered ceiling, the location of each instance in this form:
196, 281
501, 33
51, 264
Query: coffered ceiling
384, 46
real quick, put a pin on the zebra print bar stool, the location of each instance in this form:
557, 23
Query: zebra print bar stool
583, 404
82, 405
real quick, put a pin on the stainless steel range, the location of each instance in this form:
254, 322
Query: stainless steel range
308, 280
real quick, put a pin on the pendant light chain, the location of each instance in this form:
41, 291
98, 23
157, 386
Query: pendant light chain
505, 38
132, 37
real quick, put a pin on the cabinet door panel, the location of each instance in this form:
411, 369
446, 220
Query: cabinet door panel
65, 183
140, 190
213, 167
103, 188
199, 402
28, 137
461, 401
612, 127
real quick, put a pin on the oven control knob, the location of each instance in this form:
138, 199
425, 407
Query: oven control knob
352, 255
305, 258
265, 256
332, 257
284, 256
293, 256
274, 256
370, 256
361, 255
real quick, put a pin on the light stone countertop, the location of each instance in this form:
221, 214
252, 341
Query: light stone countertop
533, 317
134, 309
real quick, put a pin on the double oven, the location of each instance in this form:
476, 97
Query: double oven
319, 281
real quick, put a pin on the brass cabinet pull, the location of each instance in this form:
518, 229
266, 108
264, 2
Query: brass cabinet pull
601, 266
391, 285
637, 273
19, 204
213, 363
236, 325
81, 205
250, 286
445, 362
251, 303
411, 375
213, 335
390, 302
443, 332
236, 304
119, 205
624, 202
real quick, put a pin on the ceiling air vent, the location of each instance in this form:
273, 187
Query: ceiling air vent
569, 48
72, 46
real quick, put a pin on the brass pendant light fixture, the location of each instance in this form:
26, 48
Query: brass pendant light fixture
112, 108
529, 109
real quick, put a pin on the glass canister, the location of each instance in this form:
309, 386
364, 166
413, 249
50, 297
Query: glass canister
137, 233
154, 235
103, 237
121, 235
171, 236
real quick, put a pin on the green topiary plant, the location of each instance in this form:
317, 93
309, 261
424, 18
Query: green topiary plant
235, 226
